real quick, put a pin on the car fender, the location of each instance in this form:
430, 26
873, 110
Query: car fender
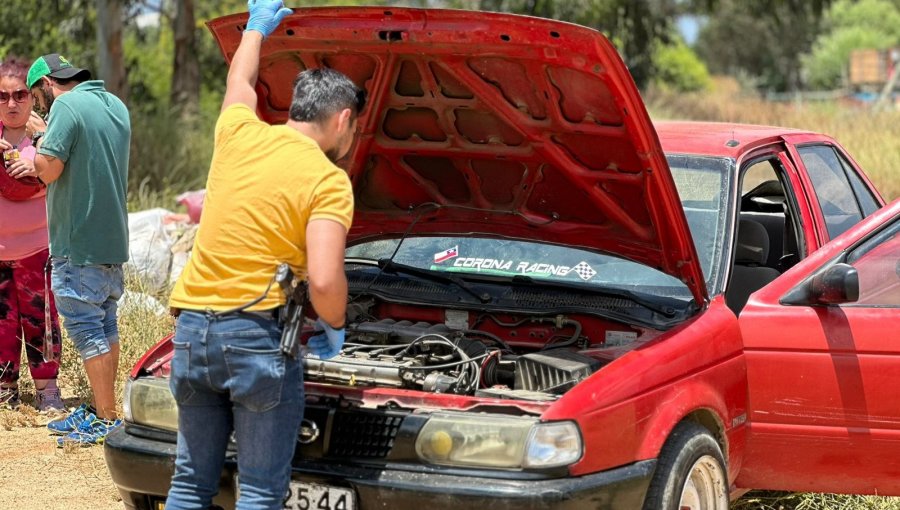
627, 409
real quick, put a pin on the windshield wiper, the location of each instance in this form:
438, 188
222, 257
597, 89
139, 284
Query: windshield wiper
647, 302
389, 266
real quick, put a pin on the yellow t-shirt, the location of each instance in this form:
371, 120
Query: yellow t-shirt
265, 184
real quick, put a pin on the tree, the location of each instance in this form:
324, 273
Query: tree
110, 51
765, 40
851, 25
678, 68
59, 26
185, 92
634, 26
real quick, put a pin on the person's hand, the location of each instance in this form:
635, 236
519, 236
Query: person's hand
327, 341
265, 15
20, 168
5, 146
35, 123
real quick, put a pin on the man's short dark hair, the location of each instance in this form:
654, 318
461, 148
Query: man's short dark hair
320, 93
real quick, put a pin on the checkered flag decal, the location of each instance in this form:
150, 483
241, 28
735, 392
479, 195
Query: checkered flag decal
585, 271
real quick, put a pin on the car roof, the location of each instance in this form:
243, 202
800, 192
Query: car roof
715, 138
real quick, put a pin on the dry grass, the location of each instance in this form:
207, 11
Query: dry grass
873, 139
787, 501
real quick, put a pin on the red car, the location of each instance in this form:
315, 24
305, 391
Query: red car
555, 303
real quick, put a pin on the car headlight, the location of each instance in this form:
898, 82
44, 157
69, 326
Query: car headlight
498, 441
126, 400
148, 401
553, 444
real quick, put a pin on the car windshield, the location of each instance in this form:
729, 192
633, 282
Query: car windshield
703, 184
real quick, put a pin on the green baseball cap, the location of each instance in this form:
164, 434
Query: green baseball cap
54, 65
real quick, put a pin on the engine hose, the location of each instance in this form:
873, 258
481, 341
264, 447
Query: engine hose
572, 340
489, 369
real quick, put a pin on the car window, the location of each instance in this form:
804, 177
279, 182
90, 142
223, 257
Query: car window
877, 261
702, 182
766, 201
863, 194
704, 186
757, 174
836, 196
509, 258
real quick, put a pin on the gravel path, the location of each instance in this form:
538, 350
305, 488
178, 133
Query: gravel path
36, 475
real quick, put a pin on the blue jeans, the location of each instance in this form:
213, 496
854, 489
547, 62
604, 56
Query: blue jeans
87, 300
229, 374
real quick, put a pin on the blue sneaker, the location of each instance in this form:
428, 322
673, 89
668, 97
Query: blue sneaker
92, 431
71, 422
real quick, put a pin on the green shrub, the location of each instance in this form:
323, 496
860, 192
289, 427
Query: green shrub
168, 155
678, 68
863, 24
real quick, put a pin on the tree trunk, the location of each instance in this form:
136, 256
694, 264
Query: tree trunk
185, 95
639, 39
110, 53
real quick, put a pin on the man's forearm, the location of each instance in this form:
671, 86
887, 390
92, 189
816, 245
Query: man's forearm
48, 169
330, 301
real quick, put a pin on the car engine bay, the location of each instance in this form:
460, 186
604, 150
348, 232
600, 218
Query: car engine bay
492, 360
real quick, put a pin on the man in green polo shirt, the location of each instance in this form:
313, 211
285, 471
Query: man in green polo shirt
83, 158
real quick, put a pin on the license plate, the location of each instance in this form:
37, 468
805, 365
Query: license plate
313, 496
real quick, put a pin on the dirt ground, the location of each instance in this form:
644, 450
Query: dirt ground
36, 475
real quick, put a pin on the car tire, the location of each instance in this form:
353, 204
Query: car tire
690, 473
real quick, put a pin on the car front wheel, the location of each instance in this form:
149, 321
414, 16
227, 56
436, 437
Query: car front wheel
690, 473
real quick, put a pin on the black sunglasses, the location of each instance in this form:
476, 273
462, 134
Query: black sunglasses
18, 96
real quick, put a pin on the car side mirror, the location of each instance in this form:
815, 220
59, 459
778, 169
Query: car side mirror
835, 285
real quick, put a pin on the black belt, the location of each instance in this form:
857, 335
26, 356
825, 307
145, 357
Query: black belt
272, 314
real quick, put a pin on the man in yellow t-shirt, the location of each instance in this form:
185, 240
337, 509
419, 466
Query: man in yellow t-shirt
273, 195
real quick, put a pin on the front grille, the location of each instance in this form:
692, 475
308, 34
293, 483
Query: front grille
363, 434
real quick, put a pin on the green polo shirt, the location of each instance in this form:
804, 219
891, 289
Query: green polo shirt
89, 130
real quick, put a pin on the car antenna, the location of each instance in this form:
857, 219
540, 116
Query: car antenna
732, 142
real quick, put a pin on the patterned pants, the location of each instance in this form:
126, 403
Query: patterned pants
22, 315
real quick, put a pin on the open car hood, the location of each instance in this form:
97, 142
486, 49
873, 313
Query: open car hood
487, 124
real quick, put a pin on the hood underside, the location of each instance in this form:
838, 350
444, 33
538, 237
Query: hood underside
487, 124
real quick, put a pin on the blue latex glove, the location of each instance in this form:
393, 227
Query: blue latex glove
265, 15
327, 341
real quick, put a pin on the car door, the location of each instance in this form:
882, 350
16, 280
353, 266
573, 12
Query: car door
824, 369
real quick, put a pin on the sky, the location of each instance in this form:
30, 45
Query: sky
689, 28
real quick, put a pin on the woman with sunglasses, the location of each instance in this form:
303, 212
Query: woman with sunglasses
27, 310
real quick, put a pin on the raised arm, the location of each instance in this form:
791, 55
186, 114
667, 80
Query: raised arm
240, 86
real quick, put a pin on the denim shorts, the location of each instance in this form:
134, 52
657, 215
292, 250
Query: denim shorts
87, 299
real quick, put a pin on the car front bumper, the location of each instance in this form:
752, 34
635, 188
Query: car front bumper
141, 468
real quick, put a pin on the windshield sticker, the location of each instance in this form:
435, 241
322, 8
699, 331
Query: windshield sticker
511, 267
446, 254
584, 270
